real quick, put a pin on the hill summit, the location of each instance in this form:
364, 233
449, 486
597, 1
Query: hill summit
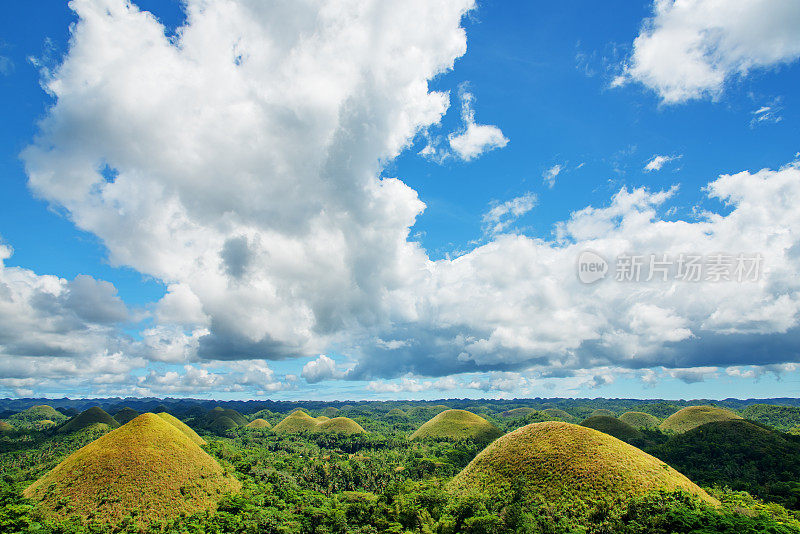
562, 463
457, 424
148, 466
694, 416
87, 418
300, 421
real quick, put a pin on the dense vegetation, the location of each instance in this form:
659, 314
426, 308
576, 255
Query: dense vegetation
381, 481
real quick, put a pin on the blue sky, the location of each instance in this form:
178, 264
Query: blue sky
279, 265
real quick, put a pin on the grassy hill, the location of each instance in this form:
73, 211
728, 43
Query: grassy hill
32, 417
612, 426
233, 415
259, 423
602, 412
339, 425
126, 415
640, 420
87, 418
297, 421
694, 416
183, 427
556, 414
739, 454
396, 413
147, 466
457, 424
331, 411
564, 463
6, 427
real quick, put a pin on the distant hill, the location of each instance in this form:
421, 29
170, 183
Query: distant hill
784, 418
457, 424
562, 464
613, 427
396, 413
556, 414
330, 411
640, 420
694, 416
339, 425
87, 418
125, 415
516, 413
147, 466
602, 412
259, 423
6, 427
297, 421
33, 417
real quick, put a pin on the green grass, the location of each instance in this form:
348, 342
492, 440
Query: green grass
148, 467
612, 426
396, 413
219, 412
339, 425
223, 423
640, 420
259, 423
694, 416
297, 421
557, 414
126, 415
457, 424
88, 418
562, 462
602, 412
331, 411
784, 418
183, 427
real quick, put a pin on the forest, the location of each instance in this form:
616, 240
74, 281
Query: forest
447, 466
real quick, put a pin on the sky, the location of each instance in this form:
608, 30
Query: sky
400, 200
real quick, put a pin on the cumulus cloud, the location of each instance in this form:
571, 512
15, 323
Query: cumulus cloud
689, 49
474, 139
323, 368
658, 161
247, 154
502, 215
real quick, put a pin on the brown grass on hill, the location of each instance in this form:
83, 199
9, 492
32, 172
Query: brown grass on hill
457, 424
183, 427
148, 466
561, 461
259, 423
694, 416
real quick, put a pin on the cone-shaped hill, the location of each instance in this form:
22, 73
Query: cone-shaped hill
694, 416
516, 413
215, 417
259, 423
640, 420
147, 466
602, 412
87, 418
331, 411
564, 463
340, 425
183, 427
557, 414
297, 421
126, 415
396, 413
613, 427
458, 424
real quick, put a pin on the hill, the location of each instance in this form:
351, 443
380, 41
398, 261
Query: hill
396, 413
613, 427
556, 414
297, 421
214, 415
339, 425
88, 418
259, 423
640, 420
126, 415
223, 423
457, 424
331, 411
694, 416
516, 413
783, 418
602, 412
739, 454
147, 467
562, 464
32, 417
6, 427
183, 427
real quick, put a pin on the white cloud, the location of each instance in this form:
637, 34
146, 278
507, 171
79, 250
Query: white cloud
767, 114
658, 161
475, 139
323, 368
550, 174
502, 215
690, 48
